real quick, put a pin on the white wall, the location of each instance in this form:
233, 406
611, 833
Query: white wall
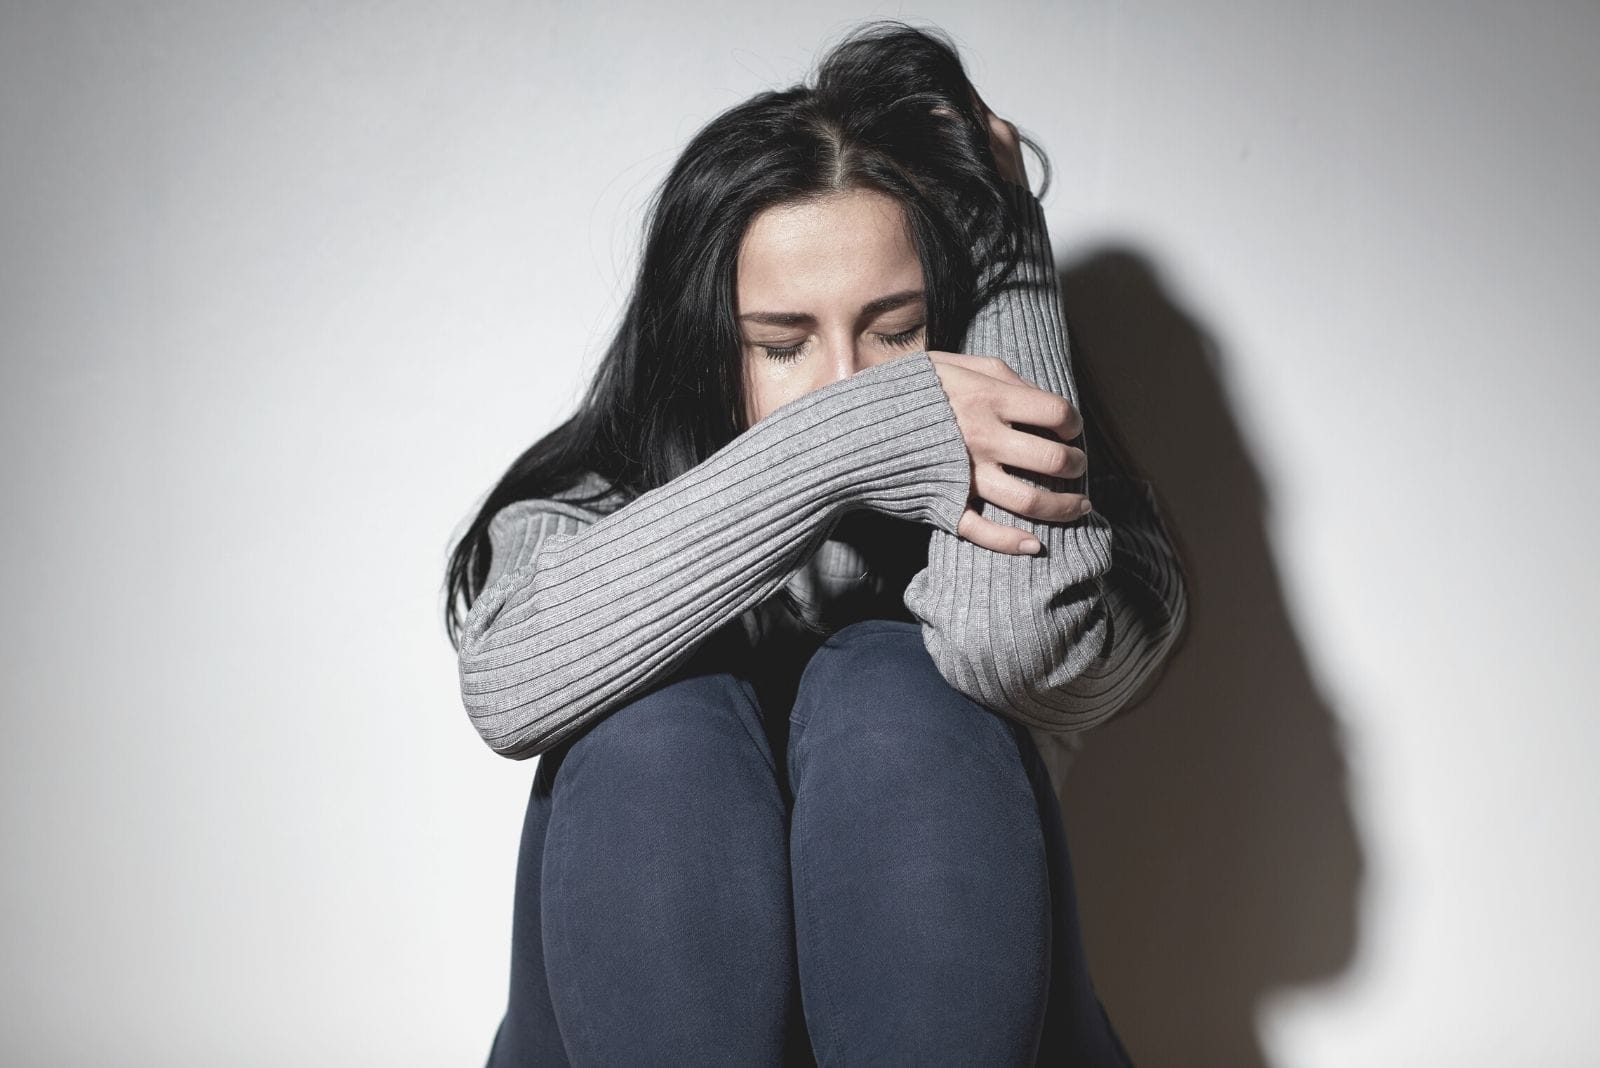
286, 286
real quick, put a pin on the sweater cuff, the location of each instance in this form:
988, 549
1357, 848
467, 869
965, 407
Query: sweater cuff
931, 478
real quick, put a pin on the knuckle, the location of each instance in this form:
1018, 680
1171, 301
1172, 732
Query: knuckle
1030, 499
1061, 459
1063, 410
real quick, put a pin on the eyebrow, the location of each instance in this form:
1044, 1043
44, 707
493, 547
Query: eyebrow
872, 307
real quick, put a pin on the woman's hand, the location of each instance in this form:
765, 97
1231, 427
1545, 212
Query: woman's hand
1004, 143
988, 397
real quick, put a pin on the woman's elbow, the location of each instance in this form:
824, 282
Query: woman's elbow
515, 737
1031, 683
512, 721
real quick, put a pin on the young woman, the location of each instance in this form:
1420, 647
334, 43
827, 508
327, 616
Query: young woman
766, 608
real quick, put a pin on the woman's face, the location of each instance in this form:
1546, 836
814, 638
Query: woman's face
825, 288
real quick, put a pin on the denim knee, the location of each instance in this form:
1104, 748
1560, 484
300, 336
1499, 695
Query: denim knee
679, 736
874, 681
664, 891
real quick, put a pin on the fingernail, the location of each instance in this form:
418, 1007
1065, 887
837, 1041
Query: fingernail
1086, 507
1031, 546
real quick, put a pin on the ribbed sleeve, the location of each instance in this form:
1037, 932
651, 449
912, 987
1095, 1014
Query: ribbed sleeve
1063, 640
1146, 597
583, 612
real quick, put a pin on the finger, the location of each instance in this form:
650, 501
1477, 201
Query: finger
1036, 452
998, 368
991, 535
1021, 497
964, 359
1043, 409
992, 366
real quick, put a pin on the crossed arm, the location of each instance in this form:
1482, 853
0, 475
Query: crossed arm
1066, 639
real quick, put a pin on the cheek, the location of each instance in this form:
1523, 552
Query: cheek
758, 400
767, 389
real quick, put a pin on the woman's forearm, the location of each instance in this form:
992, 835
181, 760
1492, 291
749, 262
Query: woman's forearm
586, 611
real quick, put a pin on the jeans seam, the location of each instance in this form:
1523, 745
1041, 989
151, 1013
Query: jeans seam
824, 1046
579, 1039
763, 746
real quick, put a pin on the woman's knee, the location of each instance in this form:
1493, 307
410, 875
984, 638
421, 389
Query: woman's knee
873, 686
664, 915
689, 734
862, 655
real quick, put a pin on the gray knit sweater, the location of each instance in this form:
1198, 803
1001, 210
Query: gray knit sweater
587, 607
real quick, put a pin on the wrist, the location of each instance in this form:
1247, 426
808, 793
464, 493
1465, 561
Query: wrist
920, 467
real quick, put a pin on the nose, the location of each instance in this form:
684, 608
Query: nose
850, 351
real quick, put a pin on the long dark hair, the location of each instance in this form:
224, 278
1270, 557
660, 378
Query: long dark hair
669, 391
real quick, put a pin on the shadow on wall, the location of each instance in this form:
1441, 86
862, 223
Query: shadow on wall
1215, 855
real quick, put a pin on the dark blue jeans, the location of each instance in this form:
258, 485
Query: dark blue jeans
895, 888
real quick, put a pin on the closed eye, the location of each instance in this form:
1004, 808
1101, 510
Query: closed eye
787, 354
901, 339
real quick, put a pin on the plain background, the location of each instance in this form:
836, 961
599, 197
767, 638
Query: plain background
286, 286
